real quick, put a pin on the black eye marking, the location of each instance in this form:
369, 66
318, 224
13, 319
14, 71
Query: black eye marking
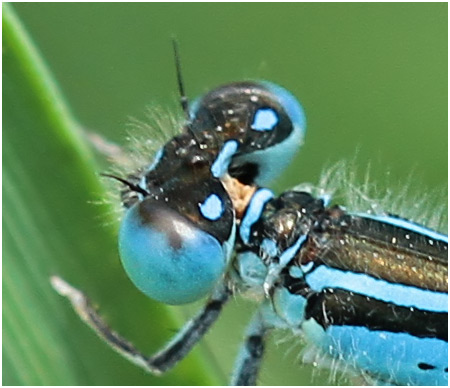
425, 366
245, 173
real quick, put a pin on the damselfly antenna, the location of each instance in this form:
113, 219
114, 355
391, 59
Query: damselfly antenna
131, 186
183, 99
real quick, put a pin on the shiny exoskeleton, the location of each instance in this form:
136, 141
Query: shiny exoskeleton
230, 131
369, 291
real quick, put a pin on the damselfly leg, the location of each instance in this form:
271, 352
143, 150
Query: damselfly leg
175, 350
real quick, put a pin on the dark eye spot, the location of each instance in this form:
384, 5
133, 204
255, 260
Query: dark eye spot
425, 366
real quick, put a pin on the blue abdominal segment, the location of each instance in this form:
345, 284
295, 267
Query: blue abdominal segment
400, 358
167, 257
404, 358
394, 344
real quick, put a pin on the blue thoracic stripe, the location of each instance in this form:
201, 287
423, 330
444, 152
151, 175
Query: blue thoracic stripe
323, 277
220, 165
406, 225
253, 212
290, 252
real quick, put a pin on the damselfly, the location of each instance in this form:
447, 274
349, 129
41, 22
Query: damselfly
366, 290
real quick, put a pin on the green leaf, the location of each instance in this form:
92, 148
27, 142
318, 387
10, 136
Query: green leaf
52, 226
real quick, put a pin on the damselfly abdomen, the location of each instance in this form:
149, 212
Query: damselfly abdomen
368, 291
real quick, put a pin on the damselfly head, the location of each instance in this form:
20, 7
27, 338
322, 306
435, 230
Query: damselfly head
175, 243
176, 237
178, 233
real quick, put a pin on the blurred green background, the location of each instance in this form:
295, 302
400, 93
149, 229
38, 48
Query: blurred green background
371, 77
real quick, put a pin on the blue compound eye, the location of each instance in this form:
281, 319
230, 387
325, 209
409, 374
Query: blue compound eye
176, 249
266, 120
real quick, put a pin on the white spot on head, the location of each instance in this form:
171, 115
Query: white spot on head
265, 120
212, 209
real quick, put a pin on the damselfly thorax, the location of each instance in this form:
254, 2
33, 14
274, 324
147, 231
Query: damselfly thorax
366, 290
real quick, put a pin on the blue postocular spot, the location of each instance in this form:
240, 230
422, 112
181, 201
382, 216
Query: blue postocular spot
212, 208
265, 120
220, 165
